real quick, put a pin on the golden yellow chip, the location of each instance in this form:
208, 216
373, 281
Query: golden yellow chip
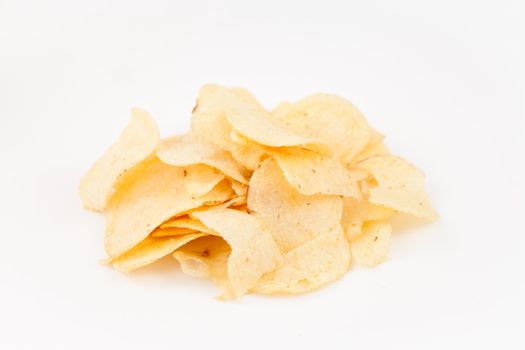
185, 222
170, 232
239, 188
311, 173
253, 250
186, 150
200, 179
317, 262
293, 218
136, 143
150, 250
400, 186
153, 194
372, 246
331, 120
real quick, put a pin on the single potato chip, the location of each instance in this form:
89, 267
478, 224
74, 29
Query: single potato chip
293, 218
234, 202
371, 247
239, 188
150, 250
331, 120
153, 194
358, 211
136, 143
185, 222
187, 150
400, 186
207, 257
311, 173
310, 266
200, 179
170, 232
253, 250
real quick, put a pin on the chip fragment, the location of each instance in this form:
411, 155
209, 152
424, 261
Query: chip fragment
371, 247
136, 143
292, 218
315, 263
253, 250
400, 186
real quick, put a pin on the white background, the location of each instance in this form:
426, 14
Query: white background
444, 80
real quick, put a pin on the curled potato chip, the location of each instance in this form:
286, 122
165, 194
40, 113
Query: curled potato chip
253, 250
187, 150
185, 222
150, 250
206, 257
200, 179
400, 186
247, 97
239, 188
234, 202
152, 194
293, 218
317, 262
136, 143
358, 211
331, 120
170, 232
372, 246
311, 173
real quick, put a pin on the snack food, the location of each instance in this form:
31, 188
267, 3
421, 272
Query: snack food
257, 201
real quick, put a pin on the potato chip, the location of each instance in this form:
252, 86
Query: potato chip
150, 250
331, 120
246, 152
358, 211
400, 186
173, 231
153, 194
371, 247
185, 222
186, 150
136, 143
239, 188
247, 97
254, 251
317, 262
311, 173
200, 179
292, 218
234, 202
207, 257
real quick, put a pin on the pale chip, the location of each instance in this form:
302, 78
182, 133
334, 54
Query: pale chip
150, 250
136, 143
239, 188
200, 179
206, 257
331, 120
400, 186
371, 247
358, 211
154, 193
186, 150
254, 251
317, 262
293, 218
311, 173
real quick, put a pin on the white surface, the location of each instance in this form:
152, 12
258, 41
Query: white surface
445, 81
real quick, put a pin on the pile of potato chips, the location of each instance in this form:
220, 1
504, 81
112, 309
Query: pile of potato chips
257, 201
